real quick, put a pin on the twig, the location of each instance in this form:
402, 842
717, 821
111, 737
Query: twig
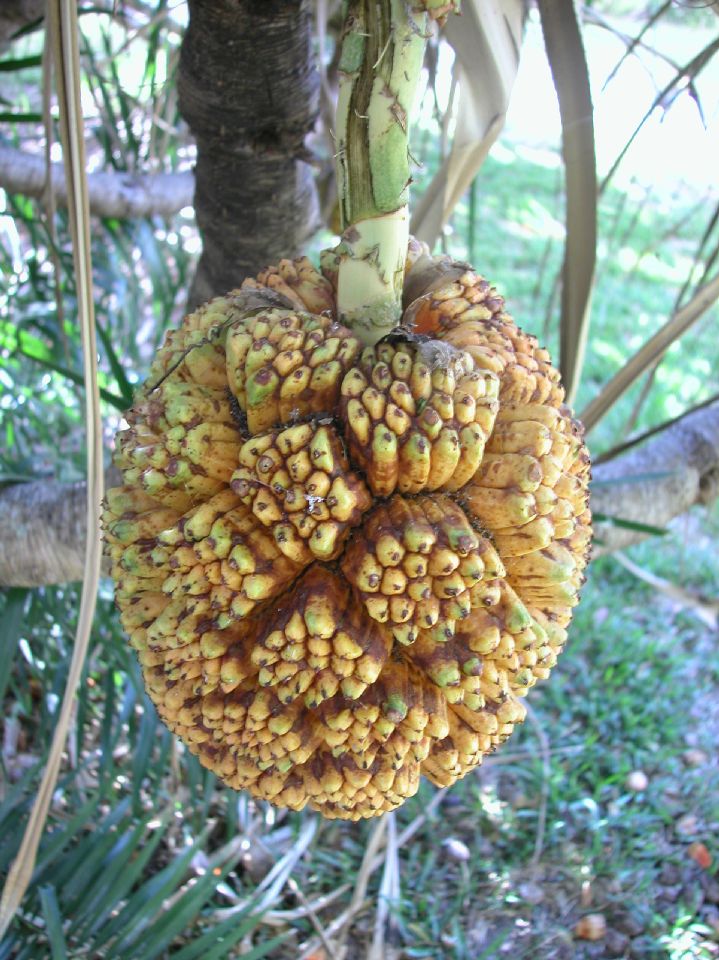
64, 31
337, 924
295, 888
706, 610
369, 863
48, 197
368, 866
544, 795
283, 917
388, 894
516, 756
279, 874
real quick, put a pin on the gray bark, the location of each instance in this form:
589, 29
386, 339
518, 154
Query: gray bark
16, 14
42, 531
112, 193
42, 523
657, 481
249, 91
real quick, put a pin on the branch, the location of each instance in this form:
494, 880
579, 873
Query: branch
659, 480
42, 532
16, 14
42, 523
112, 194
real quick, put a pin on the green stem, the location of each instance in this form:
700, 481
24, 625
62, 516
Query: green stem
380, 66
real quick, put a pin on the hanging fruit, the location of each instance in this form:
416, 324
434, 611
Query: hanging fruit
353, 519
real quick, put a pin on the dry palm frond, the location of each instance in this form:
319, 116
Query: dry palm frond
652, 350
486, 41
565, 51
635, 41
707, 610
63, 29
687, 75
706, 261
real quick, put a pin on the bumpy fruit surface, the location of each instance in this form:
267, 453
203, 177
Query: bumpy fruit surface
343, 566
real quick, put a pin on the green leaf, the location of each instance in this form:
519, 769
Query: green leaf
142, 752
123, 383
139, 911
18, 116
124, 865
98, 858
172, 921
107, 740
34, 349
126, 105
217, 942
53, 923
82, 860
21, 63
630, 524
6, 478
10, 632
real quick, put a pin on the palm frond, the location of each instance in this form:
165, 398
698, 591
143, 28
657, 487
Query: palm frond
636, 41
620, 448
486, 42
565, 51
63, 29
688, 74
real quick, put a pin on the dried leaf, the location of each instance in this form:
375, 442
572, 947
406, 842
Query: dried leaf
63, 28
486, 41
565, 51
591, 927
699, 854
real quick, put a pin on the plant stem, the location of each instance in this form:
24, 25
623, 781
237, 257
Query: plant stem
380, 66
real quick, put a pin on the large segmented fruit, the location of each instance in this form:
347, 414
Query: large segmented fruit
342, 567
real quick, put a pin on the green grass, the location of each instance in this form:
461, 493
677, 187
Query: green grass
144, 856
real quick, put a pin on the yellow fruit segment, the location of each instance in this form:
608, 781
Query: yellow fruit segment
298, 484
300, 282
283, 366
319, 643
416, 418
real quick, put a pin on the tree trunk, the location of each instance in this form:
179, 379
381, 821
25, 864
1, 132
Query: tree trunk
42, 523
249, 91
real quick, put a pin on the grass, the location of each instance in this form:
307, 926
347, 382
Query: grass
145, 856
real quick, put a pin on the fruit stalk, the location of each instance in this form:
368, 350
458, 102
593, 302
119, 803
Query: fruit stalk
380, 66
